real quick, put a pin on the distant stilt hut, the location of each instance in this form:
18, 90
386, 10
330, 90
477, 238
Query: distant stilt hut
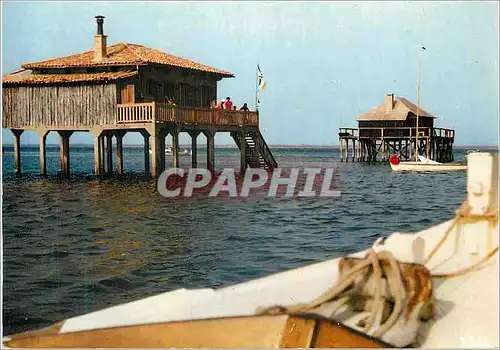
391, 128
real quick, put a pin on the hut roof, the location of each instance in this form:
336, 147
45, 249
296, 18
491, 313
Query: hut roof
26, 77
125, 54
400, 111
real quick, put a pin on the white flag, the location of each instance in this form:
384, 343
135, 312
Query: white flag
262, 82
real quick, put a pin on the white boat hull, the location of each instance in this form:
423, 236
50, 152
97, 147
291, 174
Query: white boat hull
419, 166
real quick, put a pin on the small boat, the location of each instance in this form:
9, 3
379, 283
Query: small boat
424, 164
437, 288
169, 152
471, 151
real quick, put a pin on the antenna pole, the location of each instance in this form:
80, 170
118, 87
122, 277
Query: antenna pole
418, 107
257, 88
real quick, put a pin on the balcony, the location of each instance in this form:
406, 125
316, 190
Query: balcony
394, 132
154, 112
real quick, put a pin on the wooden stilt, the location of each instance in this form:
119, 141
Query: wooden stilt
383, 142
353, 150
427, 146
42, 135
341, 149
146, 136
210, 149
175, 148
243, 158
96, 133
101, 154
155, 150
356, 151
347, 151
363, 151
64, 152
119, 151
109, 153
17, 150
162, 134
194, 148
97, 156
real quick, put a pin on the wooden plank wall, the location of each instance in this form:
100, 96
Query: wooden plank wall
188, 90
58, 105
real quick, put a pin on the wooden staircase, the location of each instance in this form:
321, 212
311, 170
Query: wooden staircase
258, 154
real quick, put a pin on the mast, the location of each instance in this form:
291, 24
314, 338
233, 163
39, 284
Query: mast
418, 104
257, 88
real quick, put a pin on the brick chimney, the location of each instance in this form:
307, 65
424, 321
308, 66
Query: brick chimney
389, 102
100, 41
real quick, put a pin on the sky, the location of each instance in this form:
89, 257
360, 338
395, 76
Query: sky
325, 63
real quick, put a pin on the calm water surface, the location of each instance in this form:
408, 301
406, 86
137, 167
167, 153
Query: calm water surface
71, 247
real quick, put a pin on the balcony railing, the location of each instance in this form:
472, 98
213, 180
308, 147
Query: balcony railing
395, 132
159, 112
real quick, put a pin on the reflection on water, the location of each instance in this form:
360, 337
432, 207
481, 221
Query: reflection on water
75, 246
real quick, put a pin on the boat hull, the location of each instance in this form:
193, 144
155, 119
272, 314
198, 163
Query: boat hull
269, 331
418, 166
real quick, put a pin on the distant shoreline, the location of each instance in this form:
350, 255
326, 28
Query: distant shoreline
86, 145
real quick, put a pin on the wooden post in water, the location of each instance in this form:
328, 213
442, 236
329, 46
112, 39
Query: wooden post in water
109, 153
119, 151
383, 141
194, 148
17, 150
347, 150
363, 146
96, 133
341, 150
243, 144
356, 153
64, 152
427, 146
154, 141
97, 156
146, 136
210, 149
410, 146
42, 136
175, 148
162, 134
353, 150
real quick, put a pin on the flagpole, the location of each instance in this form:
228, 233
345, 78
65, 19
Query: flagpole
257, 88
418, 100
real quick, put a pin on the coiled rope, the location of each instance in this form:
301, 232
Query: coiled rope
357, 276
383, 264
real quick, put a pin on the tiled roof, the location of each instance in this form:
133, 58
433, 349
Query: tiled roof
402, 107
25, 77
125, 54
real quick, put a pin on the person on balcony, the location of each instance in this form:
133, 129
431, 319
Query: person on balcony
170, 101
217, 104
244, 107
228, 104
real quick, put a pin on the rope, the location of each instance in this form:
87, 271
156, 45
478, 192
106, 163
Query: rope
463, 215
392, 272
467, 269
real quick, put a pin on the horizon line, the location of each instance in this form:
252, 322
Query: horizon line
235, 146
